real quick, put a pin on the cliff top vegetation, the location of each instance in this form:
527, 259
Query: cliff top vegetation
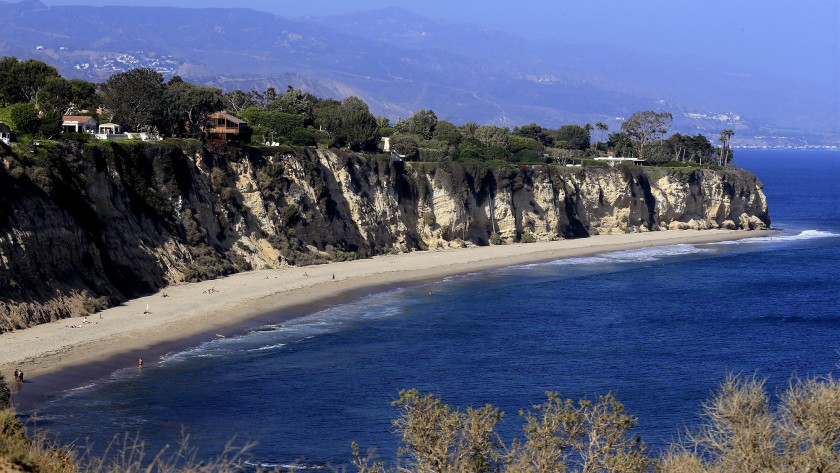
34, 98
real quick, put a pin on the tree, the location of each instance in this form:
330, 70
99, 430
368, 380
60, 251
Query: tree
31, 78
406, 144
525, 149
383, 122
643, 127
725, 138
620, 143
493, 136
743, 432
9, 90
571, 137
135, 98
447, 132
440, 439
327, 116
536, 132
24, 118
189, 105
471, 150
602, 127
49, 124
293, 101
358, 125
559, 435
585, 436
421, 123
237, 100
469, 129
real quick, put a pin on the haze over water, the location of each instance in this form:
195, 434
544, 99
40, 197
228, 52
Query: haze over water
658, 327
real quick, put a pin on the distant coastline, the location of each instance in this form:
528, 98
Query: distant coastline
789, 148
61, 356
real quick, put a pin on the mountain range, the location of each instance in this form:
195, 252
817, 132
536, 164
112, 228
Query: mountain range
399, 62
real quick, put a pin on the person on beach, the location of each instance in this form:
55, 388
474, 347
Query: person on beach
140, 362
18, 375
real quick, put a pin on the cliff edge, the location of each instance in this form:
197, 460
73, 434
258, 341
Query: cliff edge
84, 226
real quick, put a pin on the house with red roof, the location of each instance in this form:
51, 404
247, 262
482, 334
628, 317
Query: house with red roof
78, 124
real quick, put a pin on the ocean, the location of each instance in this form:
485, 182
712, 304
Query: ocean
657, 327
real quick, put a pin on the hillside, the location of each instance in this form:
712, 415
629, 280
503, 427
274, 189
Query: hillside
399, 62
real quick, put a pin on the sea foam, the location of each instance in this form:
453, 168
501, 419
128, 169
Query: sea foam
278, 336
782, 238
641, 255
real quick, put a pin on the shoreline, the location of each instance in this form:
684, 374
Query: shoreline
56, 357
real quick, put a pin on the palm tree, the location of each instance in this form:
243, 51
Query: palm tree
602, 127
469, 129
725, 137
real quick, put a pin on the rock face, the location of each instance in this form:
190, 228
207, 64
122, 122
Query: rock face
86, 226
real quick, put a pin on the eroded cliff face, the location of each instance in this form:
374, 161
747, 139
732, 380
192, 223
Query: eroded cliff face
85, 226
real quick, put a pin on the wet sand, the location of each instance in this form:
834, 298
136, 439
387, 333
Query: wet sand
58, 356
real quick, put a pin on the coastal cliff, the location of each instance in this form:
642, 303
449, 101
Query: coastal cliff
84, 226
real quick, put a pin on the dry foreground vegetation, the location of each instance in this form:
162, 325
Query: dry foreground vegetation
742, 430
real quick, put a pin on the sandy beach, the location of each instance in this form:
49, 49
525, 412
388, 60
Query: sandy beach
209, 307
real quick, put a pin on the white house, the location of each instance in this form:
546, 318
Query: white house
612, 160
110, 131
78, 124
5, 133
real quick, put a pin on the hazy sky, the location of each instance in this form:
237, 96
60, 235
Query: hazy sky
795, 37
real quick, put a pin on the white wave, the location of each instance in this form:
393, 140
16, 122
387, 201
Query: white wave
82, 388
285, 466
643, 255
269, 347
456, 277
268, 337
201, 351
782, 237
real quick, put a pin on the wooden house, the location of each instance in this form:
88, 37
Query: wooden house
225, 126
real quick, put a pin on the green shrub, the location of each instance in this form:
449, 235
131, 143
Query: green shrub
527, 237
290, 214
5, 394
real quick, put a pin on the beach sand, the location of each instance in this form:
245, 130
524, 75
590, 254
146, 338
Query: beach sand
190, 313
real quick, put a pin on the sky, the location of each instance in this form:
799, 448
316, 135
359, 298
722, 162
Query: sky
788, 37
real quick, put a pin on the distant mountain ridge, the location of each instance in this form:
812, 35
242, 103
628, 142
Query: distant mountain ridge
399, 62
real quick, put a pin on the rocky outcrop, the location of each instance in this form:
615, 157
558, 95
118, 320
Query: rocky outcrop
83, 226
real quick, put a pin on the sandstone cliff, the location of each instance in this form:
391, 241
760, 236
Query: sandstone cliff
84, 226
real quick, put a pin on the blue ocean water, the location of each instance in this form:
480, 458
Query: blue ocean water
658, 327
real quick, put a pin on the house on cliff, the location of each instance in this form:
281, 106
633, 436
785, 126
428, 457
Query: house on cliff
78, 124
224, 126
5, 133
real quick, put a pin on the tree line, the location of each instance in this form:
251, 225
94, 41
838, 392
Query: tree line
34, 97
